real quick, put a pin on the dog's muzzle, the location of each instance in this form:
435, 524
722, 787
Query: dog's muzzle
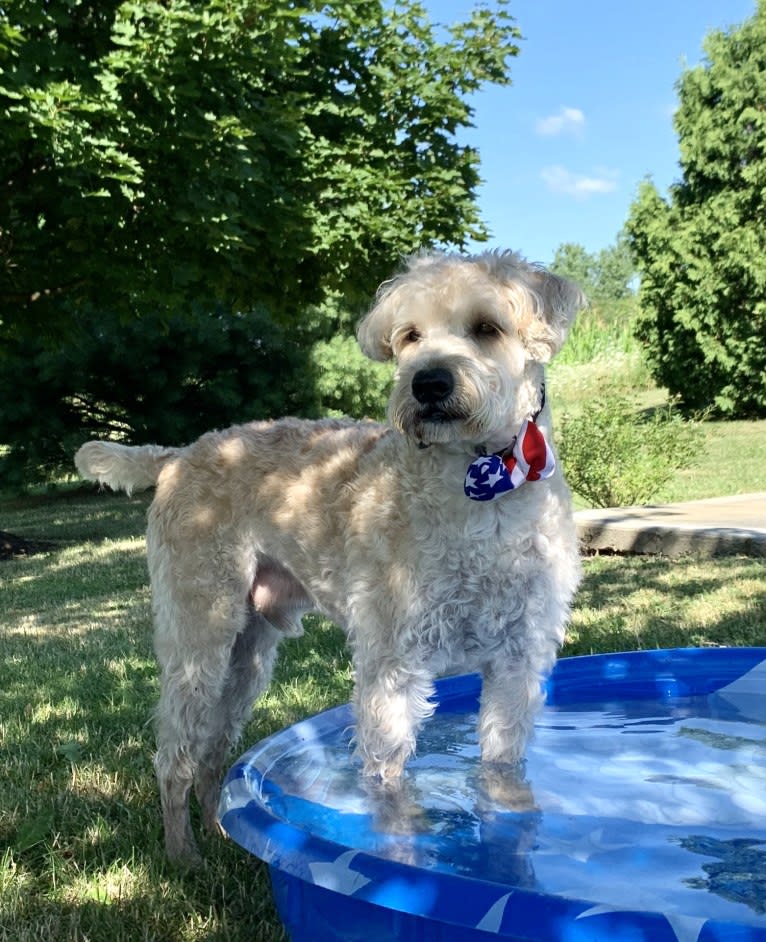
433, 390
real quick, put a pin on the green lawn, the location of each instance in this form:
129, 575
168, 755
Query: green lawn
733, 462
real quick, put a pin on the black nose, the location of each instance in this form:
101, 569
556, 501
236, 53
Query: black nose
432, 386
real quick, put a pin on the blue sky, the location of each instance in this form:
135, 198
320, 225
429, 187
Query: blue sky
588, 116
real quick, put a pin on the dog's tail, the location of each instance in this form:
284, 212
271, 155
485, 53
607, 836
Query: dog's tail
122, 467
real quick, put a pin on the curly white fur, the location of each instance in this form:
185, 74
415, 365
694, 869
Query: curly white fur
252, 526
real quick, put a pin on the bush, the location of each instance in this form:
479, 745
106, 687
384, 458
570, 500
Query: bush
149, 380
347, 383
615, 456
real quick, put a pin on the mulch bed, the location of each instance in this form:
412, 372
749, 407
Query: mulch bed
12, 547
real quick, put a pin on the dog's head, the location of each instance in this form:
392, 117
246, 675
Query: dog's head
470, 337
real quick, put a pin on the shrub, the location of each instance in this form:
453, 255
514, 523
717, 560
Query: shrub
616, 456
346, 382
148, 380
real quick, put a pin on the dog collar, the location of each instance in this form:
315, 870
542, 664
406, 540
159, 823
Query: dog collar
529, 457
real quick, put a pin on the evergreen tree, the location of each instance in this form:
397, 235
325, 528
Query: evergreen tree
701, 252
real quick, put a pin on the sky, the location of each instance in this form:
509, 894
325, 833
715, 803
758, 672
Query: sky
588, 116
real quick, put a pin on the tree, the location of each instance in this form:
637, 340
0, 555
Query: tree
605, 327
162, 159
241, 151
701, 252
604, 276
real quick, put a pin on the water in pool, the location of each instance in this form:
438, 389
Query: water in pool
642, 805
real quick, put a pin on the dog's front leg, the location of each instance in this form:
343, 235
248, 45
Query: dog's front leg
511, 696
391, 702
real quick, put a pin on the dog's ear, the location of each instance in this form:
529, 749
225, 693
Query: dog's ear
543, 305
560, 300
374, 330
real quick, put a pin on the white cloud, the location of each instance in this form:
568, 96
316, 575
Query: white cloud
568, 120
581, 187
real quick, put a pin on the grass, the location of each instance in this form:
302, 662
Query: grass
732, 457
600, 333
81, 856
733, 461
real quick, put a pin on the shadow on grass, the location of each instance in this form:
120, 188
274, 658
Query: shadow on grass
79, 811
628, 603
142, 899
66, 516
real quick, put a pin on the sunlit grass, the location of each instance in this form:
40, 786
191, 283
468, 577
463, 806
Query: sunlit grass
640, 603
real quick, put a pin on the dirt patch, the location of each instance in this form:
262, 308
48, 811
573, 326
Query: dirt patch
12, 547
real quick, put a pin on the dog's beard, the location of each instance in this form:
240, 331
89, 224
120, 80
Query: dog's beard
430, 425
487, 400
463, 417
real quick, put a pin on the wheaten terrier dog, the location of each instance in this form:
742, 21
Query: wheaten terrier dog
442, 542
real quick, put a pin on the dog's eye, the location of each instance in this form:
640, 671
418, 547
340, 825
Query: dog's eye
485, 329
412, 335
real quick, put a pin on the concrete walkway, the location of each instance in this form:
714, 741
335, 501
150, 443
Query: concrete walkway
718, 527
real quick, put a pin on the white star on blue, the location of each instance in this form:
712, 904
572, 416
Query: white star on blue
487, 477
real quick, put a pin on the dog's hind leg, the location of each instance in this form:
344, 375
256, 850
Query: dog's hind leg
205, 699
250, 667
277, 602
186, 720
176, 762
199, 615
216, 639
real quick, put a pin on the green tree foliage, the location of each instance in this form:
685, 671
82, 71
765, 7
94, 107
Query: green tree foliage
156, 379
604, 276
346, 382
162, 159
245, 152
605, 327
701, 252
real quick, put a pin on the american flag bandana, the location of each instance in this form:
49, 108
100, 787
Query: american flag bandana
529, 458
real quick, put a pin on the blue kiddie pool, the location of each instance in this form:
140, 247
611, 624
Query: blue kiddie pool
641, 814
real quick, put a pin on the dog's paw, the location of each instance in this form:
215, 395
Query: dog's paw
395, 807
505, 784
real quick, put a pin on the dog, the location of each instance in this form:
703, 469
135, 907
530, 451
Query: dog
442, 542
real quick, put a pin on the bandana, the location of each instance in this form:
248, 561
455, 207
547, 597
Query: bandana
528, 458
